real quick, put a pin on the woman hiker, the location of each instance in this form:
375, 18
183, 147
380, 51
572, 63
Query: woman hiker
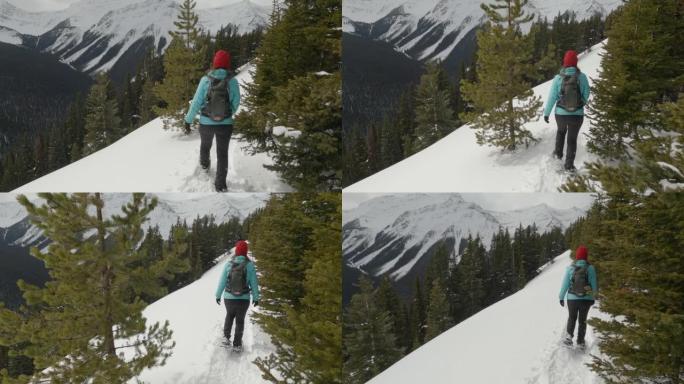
569, 93
216, 99
237, 283
581, 287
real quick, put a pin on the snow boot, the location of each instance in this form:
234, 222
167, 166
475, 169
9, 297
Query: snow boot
556, 155
570, 169
581, 344
237, 348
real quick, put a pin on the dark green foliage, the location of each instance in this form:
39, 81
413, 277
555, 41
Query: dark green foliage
297, 85
641, 69
242, 47
433, 108
94, 297
635, 243
438, 317
102, 121
183, 67
370, 344
504, 63
296, 240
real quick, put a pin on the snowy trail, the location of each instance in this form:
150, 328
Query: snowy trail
458, 163
152, 159
515, 341
197, 324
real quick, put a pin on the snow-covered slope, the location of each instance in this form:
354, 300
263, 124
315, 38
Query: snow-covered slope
431, 29
154, 160
515, 341
197, 324
458, 163
393, 234
92, 35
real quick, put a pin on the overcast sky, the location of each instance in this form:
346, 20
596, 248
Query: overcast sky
498, 201
54, 5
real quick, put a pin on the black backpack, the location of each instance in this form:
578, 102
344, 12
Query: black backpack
217, 105
580, 280
570, 93
237, 278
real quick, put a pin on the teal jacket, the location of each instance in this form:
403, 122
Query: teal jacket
554, 94
568, 277
252, 281
201, 98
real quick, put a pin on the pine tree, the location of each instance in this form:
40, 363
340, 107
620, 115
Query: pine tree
305, 292
433, 108
501, 100
635, 244
183, 68
299, 89
369, 343
387, 299
641, 69
91, 309
471, 289
418, 314
102, 124
438, 318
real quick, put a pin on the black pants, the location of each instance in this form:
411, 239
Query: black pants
222, 133
578, 309
235, 310
568, 125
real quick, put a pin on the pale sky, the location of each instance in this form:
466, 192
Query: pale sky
55, 5
497, 201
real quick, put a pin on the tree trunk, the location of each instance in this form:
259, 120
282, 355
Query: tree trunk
107, 277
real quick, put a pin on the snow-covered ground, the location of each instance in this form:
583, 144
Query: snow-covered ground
458, 163
156, 160
197, 324
515, 341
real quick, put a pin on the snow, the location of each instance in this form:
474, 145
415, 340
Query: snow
156, 160
9, 36
197, 325
439, 21
458, 163
517, 340
286, 132
123, 22
423, 220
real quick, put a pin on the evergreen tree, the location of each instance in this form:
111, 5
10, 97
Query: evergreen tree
183, 68
304, 293
641, 69
299, 89
503, 63
388, 300
102, 124
391, 148
418, 314
471, 289
433, 108
93, 299
369, 343
503, 272
438, 317
635, 244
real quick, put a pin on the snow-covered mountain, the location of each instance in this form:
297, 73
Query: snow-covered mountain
197, 325
94, 35
17, 230
396, 234
431, 29
458, 163
153, 159
515, 341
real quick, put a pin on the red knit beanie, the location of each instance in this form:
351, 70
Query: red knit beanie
222, 59
241, 248
581, 253
570, 59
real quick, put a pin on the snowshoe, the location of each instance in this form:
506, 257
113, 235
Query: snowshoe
237, 348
